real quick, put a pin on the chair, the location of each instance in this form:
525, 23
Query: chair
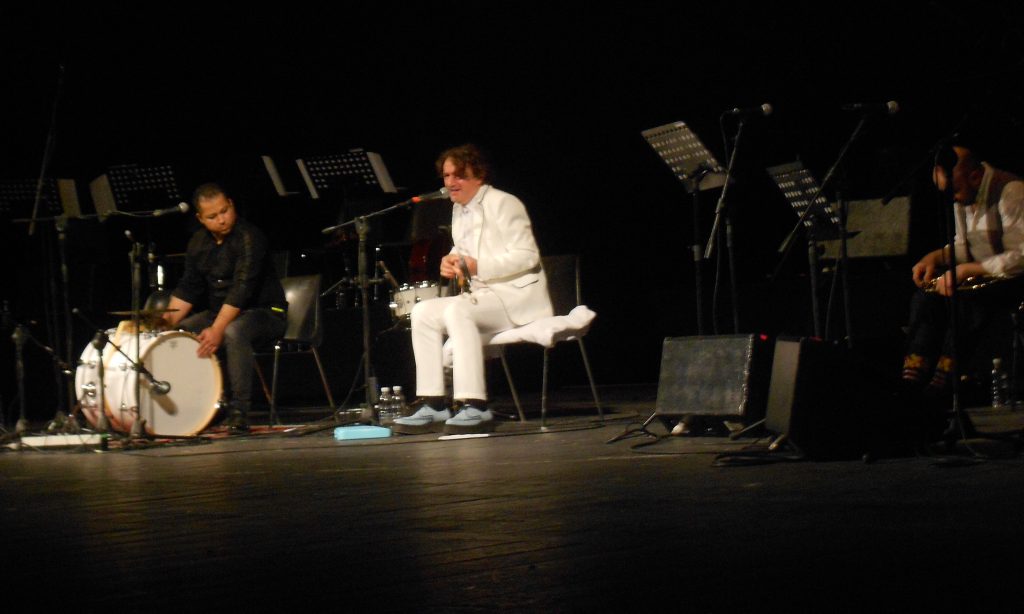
571, 322
303, 333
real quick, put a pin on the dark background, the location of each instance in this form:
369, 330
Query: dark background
557, 94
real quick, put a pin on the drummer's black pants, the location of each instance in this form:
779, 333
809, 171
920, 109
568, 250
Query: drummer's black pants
253, 328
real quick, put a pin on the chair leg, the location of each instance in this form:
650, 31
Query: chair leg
323, 376
273, 389
590, 376
263, 381
544, 392
512, 386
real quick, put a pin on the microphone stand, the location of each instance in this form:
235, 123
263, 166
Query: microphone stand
959, 426
787, 245
51, 137
135, 256
720, 211
693, 186
362, 226
66, 399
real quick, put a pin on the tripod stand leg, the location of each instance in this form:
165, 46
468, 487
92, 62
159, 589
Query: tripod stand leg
747, 429
640, 431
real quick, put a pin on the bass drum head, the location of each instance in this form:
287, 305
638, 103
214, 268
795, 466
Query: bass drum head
195, 386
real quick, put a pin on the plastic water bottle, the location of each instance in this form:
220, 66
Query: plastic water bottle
1000, 385
385, 411
398, 398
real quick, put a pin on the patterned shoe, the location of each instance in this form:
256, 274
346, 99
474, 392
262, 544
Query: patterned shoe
425, 420
470, 420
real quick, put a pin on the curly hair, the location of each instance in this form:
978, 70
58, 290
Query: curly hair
464, 157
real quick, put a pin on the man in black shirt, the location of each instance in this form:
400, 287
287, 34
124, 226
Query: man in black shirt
227, 266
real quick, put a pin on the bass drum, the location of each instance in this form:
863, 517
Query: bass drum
188, 407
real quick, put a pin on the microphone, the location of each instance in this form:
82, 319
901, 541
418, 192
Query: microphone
765, 110
415, 200
888, 108
179, 208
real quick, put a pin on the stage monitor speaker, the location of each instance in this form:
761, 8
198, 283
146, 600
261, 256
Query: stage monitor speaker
722, 376
818, 400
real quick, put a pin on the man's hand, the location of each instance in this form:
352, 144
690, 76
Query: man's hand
451, 266
924, 271
209, 340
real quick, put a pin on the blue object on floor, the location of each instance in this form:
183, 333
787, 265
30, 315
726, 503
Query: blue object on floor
348, 433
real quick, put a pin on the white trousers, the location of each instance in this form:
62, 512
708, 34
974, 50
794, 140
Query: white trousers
463, 319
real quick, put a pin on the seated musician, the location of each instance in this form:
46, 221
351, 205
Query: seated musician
989, 241
496, 260
228, 270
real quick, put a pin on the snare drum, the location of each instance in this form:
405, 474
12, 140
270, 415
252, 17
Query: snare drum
405, 297
187, 408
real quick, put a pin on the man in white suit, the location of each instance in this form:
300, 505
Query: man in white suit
496, 262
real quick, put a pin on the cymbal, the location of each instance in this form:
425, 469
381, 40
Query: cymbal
142, 314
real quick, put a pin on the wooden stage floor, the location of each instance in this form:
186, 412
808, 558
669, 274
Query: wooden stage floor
555, 520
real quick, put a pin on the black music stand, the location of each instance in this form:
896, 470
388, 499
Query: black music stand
58, 197
817, 215
128, 188
354, 168
691, 163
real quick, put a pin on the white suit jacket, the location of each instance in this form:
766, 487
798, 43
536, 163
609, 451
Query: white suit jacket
508, 259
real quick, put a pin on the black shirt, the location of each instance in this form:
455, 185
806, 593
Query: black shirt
237, 272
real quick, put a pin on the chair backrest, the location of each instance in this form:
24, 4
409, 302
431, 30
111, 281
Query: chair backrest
303, 295
563, 273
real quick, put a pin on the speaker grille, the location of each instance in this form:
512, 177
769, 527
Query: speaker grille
723, 375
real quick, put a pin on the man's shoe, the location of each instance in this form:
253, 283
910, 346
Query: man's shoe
470, 420
425, 420
236, 423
